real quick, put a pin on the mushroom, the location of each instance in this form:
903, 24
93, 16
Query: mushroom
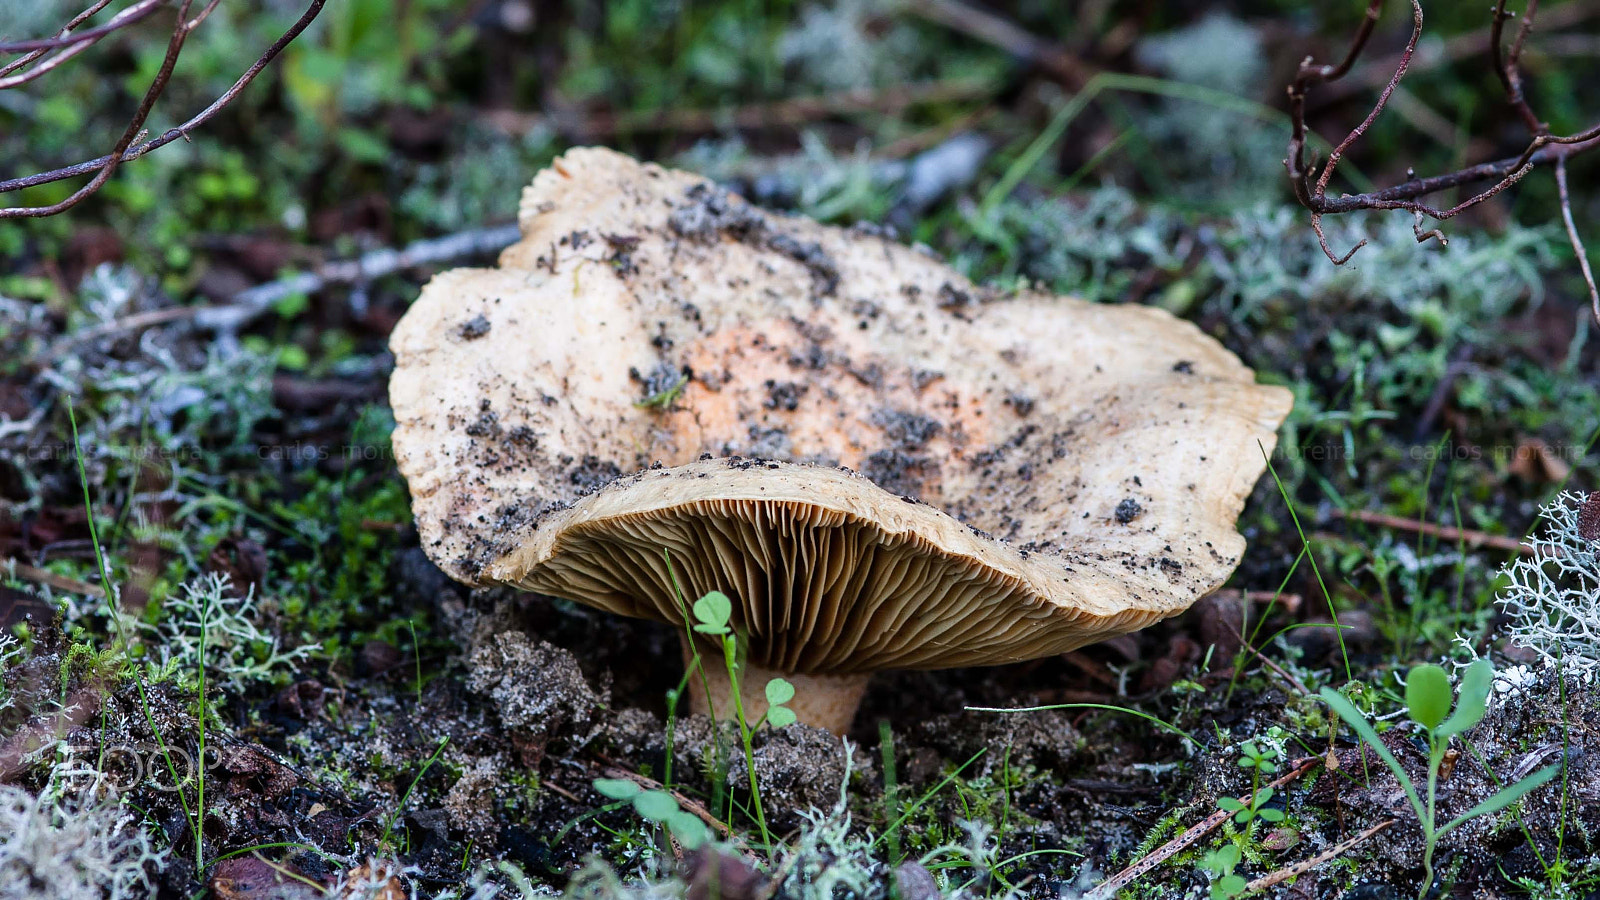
663, 391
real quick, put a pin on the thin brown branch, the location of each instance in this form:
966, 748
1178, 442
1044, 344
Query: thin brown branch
26, 572
28, 58
1383, 99
1538, 153
127, 17
1572, 235
1508, 65
251, 302
126, 153
1468, 536
1008, 36
782, 113
1541, 149
1306, 865
1311, 74
1281, 672
135, 129
1109, 888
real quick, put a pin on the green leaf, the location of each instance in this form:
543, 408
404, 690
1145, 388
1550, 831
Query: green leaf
1357, 722
1262, 796
713, 611
1428, 695
617, 788
1229, 804
1242, 816
779, 691
1505, 797
1472, 700
688, 829
1221, 860
1270, 814
1232, 885
656, 806
780, 716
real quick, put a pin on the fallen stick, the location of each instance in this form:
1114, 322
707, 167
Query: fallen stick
1446, 532
1008, 36
781, 113
252, 302
1108, 888
59, 582
1306, 865
1290, 602
689, 804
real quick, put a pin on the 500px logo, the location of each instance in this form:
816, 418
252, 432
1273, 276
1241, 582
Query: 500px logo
121, 768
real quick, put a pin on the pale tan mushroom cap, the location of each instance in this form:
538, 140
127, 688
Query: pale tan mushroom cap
1035, 472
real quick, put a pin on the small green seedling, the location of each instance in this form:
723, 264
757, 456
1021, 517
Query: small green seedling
1259, 760
712, 613
779, 692
1221, 862
1428, 697
664, 398
659, 807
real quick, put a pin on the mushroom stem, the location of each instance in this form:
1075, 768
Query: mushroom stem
824, 701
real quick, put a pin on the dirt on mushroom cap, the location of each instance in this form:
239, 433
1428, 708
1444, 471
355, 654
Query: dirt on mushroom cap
1018, 431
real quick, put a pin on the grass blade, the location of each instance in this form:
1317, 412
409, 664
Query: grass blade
1505, 797
1353, 717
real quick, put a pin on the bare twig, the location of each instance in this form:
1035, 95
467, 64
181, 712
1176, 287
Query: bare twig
1460, 48
1267, 661
1572, 235
60, 57
991, 29
1444, 532
123, 19
246, 305
135, 129
1108, 888
59, 582
1306, 865
785, 113
126, 149
1310, 184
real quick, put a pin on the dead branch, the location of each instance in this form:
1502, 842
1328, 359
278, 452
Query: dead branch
68, 43
1306, 865
1471, 538
783, 113
1572, 235
1008, 36
1108, 888
1309, 182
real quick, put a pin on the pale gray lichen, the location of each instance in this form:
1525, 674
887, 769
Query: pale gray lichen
1552, 598
68, 849
238, 649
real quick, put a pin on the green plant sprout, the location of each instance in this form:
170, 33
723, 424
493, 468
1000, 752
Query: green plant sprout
394, 816
712, 613
657, 806
1259, 760
1428, 698
1221, 862
663, 399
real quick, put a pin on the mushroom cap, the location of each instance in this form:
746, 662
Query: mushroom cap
883, 465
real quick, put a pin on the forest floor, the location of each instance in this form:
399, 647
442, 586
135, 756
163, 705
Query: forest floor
213, 456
